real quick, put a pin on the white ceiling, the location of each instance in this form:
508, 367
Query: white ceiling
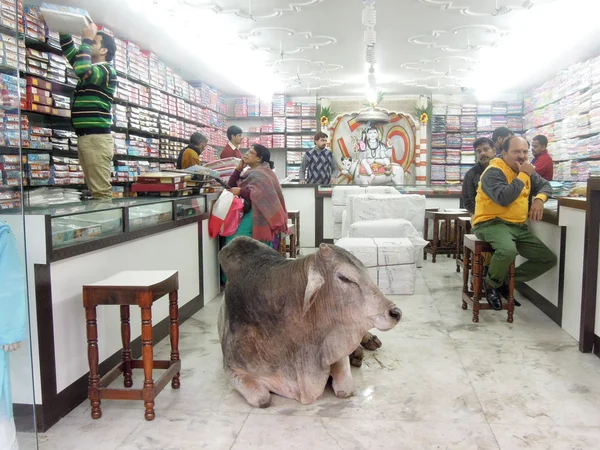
423, 46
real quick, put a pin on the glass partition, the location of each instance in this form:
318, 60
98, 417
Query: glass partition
19, 382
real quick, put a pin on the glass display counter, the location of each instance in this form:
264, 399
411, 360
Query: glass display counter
117, 220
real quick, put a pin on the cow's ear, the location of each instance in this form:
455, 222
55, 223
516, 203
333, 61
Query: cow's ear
325, 251
314, 283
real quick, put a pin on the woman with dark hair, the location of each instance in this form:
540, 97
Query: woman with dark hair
265, 215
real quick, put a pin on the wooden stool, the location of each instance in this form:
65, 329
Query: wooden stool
140, 288
283, 247
294, 216
477, 247
439, 245
464, 227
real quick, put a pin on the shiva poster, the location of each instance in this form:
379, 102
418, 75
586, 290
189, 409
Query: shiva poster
370, 153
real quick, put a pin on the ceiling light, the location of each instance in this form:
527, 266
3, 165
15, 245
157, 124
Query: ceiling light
213, 44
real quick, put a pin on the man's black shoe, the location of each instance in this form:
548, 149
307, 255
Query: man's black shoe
503, 291
493, 297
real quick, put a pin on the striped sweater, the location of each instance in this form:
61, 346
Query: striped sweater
91, 110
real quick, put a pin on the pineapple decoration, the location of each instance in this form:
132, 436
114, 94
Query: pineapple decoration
326, 115
423, 109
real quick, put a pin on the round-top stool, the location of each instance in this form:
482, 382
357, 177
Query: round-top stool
141, 288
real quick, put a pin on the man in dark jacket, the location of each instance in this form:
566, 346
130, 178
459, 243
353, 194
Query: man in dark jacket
484, 153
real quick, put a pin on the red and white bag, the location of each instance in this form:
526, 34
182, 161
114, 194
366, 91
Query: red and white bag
226, 215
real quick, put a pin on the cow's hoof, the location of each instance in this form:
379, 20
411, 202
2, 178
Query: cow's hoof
343, 394
370, 342
356, 357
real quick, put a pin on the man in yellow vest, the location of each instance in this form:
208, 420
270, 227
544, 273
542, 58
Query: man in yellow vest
501, 212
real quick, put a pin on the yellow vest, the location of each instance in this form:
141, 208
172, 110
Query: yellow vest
486, 209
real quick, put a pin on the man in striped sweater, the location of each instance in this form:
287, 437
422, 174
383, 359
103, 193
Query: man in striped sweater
91, 110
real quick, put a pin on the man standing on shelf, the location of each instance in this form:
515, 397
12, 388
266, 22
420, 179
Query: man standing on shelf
190, 155
318, 165
91, 110
500, 218
484, 152
500, 134
232, 149
544, 166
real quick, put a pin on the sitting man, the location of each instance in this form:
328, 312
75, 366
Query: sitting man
501, 215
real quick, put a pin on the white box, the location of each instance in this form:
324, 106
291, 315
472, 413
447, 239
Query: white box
385, 190
340, 193
364, 249
338, 210
374, 207
394, 251
397, 280
337, 230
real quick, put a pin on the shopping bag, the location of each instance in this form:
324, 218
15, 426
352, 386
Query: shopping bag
226, 215
233, 218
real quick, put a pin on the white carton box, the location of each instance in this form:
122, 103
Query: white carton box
394, 251
337, 230
385, 190
364, 249
338, 210
397, 280
340, 193
377, 206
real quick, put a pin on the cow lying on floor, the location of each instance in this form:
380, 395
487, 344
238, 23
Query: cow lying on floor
286, 326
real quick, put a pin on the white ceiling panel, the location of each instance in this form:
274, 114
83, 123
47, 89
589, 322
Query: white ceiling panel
423, 46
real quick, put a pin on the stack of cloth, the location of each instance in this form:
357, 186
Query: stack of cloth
468, 123
484, 123
468, 139
515, 108
438, 172
224, 167
452, 123
484, 109
453, 173
453, 140
438, 124
498, 121
454, 110
438, 140
467, 156
469, 109
514, 123
453, 156
439, 109
499, 108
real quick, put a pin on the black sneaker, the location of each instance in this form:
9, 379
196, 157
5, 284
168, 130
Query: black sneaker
503, 291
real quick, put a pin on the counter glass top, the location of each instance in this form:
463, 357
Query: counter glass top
95, 206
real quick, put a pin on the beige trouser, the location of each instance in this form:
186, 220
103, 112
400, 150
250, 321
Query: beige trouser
95, 156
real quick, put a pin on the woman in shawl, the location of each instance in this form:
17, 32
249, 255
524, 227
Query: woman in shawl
265, 215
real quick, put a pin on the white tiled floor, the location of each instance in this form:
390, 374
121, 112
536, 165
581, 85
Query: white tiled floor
439, 381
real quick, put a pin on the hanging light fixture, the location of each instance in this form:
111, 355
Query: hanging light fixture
369, 20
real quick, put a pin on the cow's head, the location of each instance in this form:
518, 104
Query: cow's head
340, 291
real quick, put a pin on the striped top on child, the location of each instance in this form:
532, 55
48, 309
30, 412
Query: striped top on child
91, 111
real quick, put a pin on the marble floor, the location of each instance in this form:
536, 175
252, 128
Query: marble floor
438, 382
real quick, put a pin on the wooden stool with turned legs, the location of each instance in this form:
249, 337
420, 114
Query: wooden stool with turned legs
141, 288
473, 259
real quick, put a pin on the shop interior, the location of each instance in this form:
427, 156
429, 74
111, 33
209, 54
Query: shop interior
403, 93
